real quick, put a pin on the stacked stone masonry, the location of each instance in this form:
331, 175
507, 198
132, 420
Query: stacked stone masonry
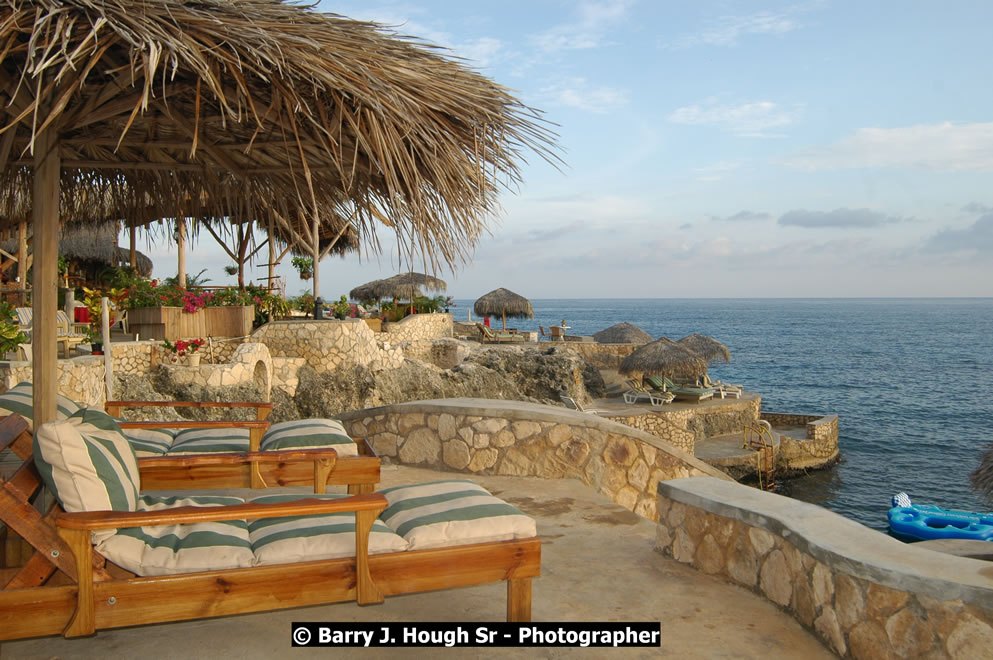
522, 439
820, 446
859, 606
80, 379
326, 345
250, 364
419, 326
683, 427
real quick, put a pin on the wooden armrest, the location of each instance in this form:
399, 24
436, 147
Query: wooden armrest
193, 424
92, 520
238, 458
188, 404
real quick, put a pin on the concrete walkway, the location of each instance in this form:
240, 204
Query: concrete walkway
598, 564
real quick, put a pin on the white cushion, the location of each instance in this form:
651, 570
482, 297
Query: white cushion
309, 434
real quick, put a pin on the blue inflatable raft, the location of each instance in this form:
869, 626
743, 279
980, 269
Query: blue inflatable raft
925, 522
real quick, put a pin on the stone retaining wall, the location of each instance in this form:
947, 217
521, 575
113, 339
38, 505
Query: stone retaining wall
80, 378
419, 326
863, 593
251, 364
820, 448
684, 426
326, 345
525, 439
601, 356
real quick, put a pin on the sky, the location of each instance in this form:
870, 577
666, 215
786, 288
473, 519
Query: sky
719, 149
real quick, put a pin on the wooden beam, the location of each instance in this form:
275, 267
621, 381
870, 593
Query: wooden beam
22, 259
181, 247
45, 221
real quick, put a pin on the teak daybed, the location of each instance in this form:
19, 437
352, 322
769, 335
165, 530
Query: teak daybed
68, 586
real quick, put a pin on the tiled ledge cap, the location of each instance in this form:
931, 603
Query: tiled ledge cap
842, 544
522, 411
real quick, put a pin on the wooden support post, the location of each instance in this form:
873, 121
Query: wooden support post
133, 250
181, 257
519, 599
255, 473
322, 468
316, 250
366, 592
83, 621
45, 298
22, 260
108, 352
272, 254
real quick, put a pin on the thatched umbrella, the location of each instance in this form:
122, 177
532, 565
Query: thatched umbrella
93, 245
663, 357
367, 292
622, 333
504, 302
706, 347
321, 118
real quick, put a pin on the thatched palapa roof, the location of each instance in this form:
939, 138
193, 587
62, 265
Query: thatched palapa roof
399, 286
97, 245
663, 357
503, 302
706, 347
622, 333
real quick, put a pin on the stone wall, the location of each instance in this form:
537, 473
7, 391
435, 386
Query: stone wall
819, 447
602, 356
326, 345
80, 378
863, 593
683, 426
514, 438
419, 326
251, 364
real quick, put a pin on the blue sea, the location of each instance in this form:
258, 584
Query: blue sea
910, 379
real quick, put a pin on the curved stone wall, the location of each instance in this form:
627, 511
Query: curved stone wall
250, 364
817, 449
684, 426
326, 345
419, 326
865, 594
525, 439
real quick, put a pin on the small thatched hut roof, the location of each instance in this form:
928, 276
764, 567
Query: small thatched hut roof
663, 357
504, 303
93, 245
706, 347
399, 286
622, 333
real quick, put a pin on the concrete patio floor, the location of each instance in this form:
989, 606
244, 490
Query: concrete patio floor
598, 564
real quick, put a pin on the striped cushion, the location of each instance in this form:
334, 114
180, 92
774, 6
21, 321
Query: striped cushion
457, 512
205, 441
169, 549
309, 434
150, 442
309, 538
20, 399
88, 463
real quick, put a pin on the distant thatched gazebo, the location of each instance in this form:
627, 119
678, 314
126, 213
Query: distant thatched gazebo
92, 248
663, 357
706, 347
622, 333
398, 286
504, 303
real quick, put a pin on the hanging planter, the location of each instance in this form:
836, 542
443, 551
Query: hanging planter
231, 270
304, 266
306, 274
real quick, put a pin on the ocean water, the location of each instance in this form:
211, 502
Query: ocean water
911, 381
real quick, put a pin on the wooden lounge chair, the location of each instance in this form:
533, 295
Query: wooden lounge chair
487, 336
68, 586
572, 404
681, 392
637, 391
68, 334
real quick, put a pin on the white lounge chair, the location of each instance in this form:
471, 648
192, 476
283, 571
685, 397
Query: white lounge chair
574, 405
638, 391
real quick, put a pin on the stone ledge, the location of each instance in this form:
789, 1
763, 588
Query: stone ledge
532, 412
841, 544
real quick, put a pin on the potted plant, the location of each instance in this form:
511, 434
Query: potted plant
185, 350
305, 266
341, 308
94, 304
231, 270
11, 336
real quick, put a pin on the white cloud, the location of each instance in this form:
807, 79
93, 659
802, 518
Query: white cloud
743, 216
594, 19
946, 147
728, 30
579, 93
842, 217
751, 119
482, 52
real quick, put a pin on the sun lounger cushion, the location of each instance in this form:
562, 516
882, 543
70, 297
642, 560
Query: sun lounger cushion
88, 464
309, 434
168, 549
309, 538
149, 442
204, 441
456, 512
19, 399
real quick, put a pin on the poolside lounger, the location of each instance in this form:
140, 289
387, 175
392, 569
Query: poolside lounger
123, 558
637, 391
575, 405
488, 336
682, 392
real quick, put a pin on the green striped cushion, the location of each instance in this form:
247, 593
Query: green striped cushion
87, 463
19, 399
309, 434
456, 512
206, 441
149, 442
309, 538
169, 549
